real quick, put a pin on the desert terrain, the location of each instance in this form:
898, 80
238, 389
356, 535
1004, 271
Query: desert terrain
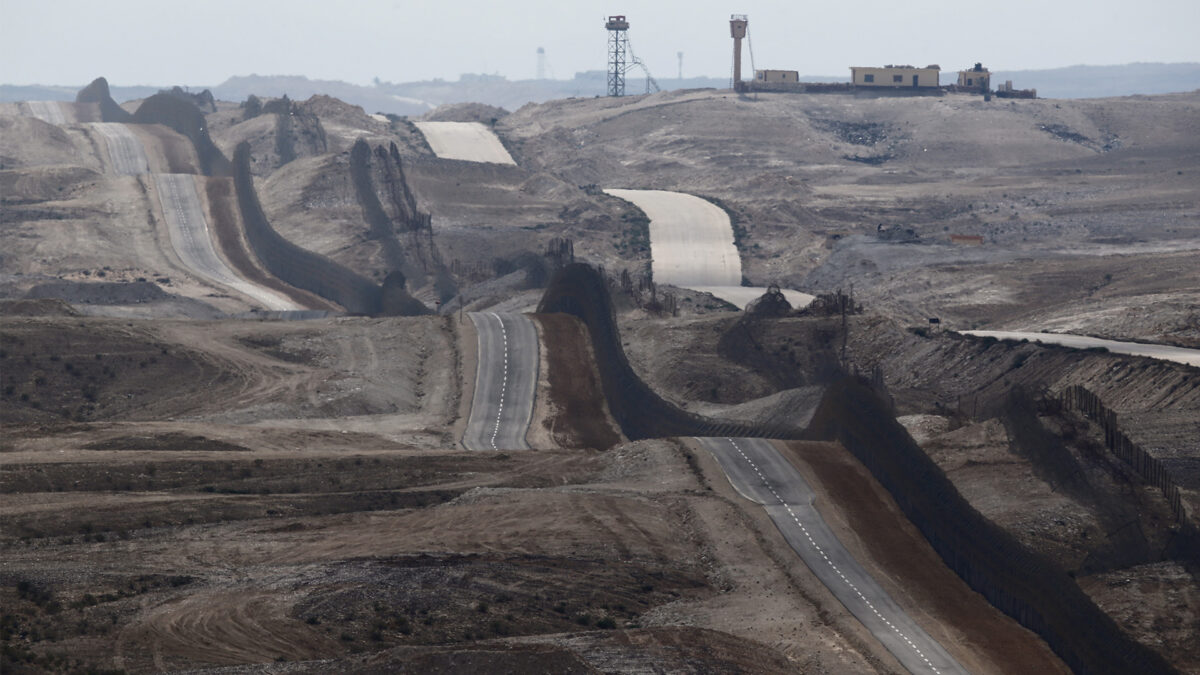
213, 474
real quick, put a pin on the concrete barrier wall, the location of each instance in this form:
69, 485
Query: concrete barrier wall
582, 291
294, 265
185, 118
97, 92
1020, 583
1023, 585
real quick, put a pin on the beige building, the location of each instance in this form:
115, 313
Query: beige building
977, 77
895, 76
777, 76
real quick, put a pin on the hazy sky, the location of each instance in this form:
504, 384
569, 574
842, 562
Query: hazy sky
163, 42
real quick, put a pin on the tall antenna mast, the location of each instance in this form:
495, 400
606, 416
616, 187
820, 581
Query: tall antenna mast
680, 55
618, 44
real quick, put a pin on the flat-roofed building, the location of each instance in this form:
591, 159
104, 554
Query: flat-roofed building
975, 78
895, 76
777, 76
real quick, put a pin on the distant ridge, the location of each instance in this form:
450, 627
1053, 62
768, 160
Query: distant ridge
1104, 81
416, 98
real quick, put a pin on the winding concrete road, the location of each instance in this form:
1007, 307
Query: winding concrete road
47, 111
125, 150
1190, 357
691, 246
469, 141
191, 239
740, 296
505, 382
762, 475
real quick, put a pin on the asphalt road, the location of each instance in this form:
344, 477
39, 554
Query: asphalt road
761, 474
47, 111
1164, 352
192, 241
470, 141
125, 150
691, 246
505, 380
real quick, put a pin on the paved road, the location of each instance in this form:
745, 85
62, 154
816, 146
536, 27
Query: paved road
691, 239
505, 380
1163, 352
191, 239
761, 474
470, 141
47, 111
125, 150
691, 246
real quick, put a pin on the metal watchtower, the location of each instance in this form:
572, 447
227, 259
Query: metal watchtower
618, 45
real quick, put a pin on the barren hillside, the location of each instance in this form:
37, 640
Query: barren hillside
191, 484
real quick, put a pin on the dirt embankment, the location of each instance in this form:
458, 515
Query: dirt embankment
230, 237
908, 561
1157, 401
580, 417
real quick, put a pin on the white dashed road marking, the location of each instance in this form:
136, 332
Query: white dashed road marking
505, 382
827, 556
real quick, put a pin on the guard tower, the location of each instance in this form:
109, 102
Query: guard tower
618, 44
737, 29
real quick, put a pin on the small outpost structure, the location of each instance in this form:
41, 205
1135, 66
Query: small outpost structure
777, 76
737, 30
975, 78
895, 76
890, 80
618, 45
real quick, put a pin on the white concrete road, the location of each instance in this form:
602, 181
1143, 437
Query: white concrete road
47, 111
691, 246
125, 150
1190, 357
758, 471
469, 141
744, 295
691, 239
505, 382
191, 239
